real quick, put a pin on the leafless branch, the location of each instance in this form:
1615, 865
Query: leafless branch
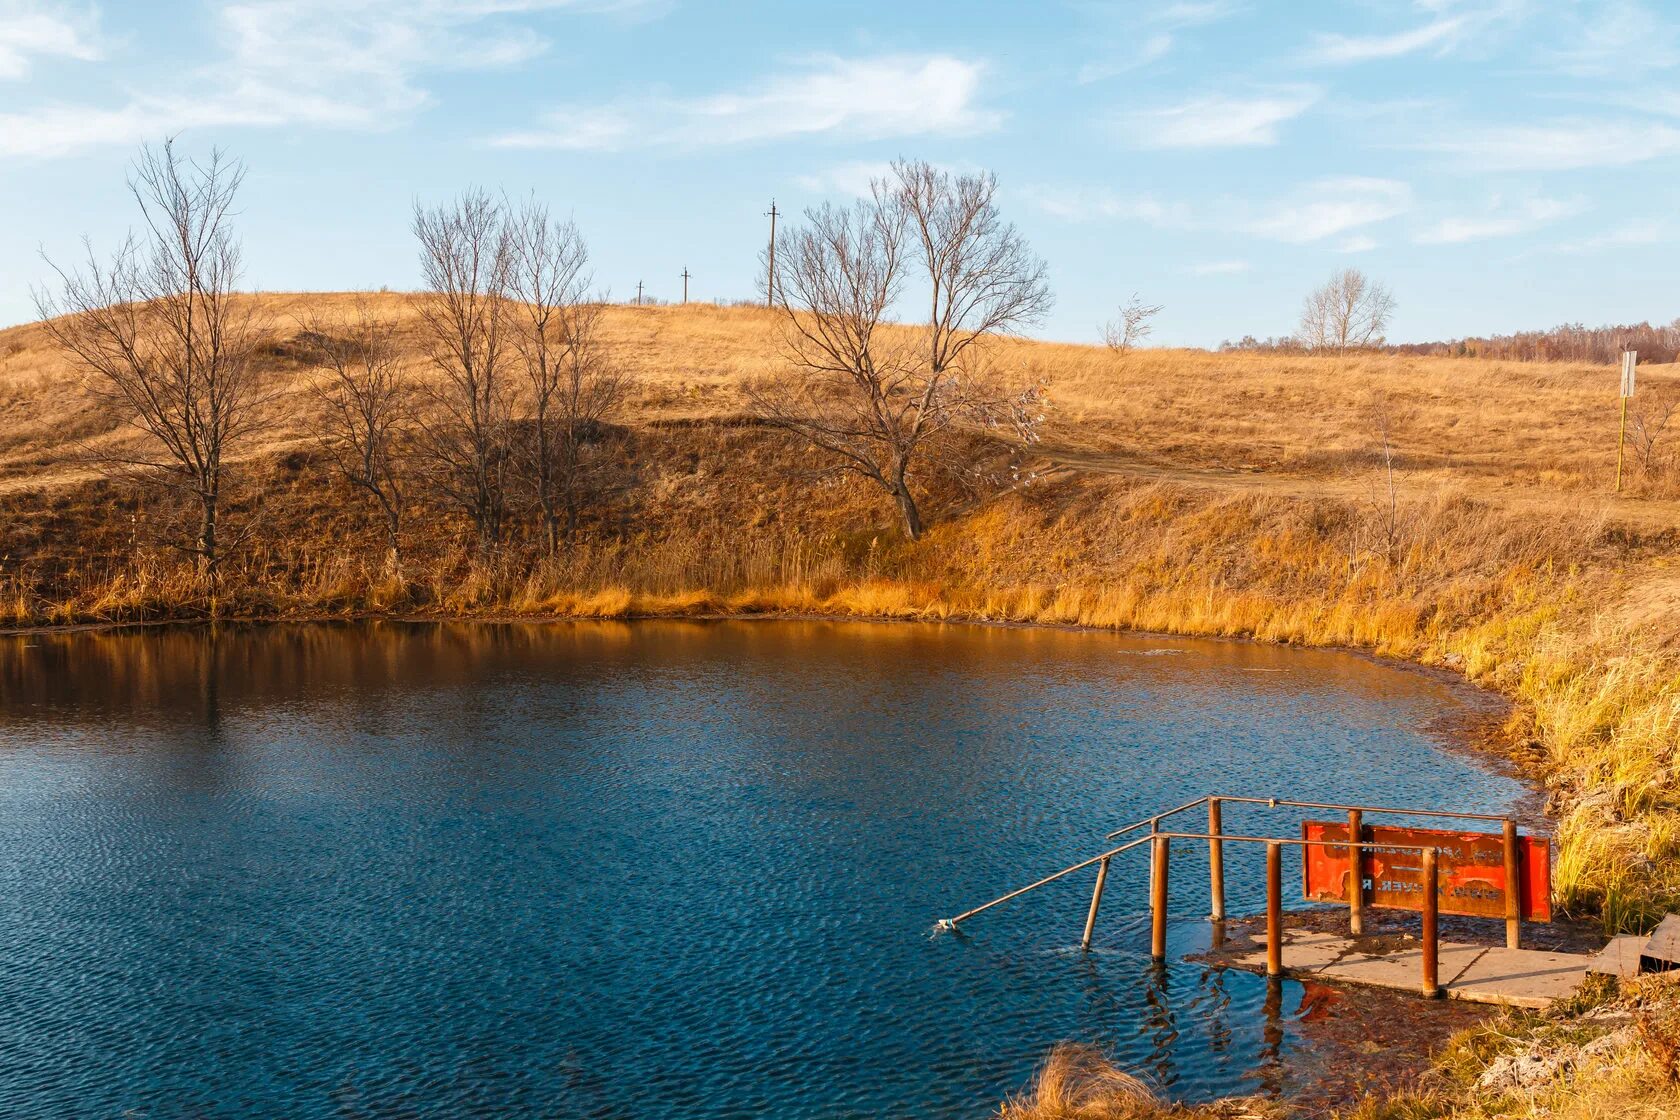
573, 388
1349, 312
161, 334
368, 411
466, 436
874, 398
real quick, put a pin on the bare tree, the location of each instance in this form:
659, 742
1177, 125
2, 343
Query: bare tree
161, 334
368, 412
573, 387
1132, 326
467, 434
873, 398
1648, 420
1348, 312
1390, 522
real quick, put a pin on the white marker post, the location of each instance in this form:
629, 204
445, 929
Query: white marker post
1630, 359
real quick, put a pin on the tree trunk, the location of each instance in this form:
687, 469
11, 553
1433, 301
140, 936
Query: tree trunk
907, 508
207, 548
393, 544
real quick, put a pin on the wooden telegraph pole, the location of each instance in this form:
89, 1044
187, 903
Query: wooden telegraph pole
1630, 358
638, 293
685, 283
770, 273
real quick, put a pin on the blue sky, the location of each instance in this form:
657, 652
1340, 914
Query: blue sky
1500, 165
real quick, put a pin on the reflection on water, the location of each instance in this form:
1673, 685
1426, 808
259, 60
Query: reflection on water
650, 869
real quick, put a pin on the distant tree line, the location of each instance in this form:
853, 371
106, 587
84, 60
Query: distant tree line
1571, 342
1351, 312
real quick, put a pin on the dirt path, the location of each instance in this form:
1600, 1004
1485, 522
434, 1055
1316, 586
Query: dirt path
1646, 515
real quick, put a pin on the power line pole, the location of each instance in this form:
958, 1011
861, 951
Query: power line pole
685, 284
770, 275
638, 293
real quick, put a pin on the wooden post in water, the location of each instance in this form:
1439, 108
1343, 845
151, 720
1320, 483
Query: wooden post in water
1274, 908
1431, 926
1158, 900
1096, 901
1216, 861
1513, 888
1356, 873
1154, 827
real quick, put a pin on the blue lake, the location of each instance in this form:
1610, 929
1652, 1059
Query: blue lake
643, 870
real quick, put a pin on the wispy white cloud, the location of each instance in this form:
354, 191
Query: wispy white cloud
1081, 204
321, 62
1498, 219
1449, 27
31, 29
1219, 120
1153, 48
1358, 243
1160, 30
1615, 39
1313, 212
853, 178
1341, 50
866, 98
1559, 145
1218, 268
1325, 208
1629, 235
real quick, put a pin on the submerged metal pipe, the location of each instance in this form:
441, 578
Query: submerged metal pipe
1274, 908
1158, 900
1096, 901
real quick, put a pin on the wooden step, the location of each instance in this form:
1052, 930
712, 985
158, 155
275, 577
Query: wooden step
1662, 951
1620, 957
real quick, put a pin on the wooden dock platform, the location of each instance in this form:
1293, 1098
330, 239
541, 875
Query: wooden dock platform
1477, 973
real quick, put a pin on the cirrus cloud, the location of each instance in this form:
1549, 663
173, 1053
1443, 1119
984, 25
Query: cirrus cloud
1312, 212
1218, 120
878, 97
31, 29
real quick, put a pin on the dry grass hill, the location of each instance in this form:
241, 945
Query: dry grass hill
1236, 494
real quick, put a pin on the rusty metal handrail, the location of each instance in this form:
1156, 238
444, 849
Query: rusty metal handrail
951, 923
1274, 802
1216, 836
1103, 857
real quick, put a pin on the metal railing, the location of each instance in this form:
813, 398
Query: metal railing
1216, 837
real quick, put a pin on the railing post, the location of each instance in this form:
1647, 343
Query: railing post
1431, 923
1154, 827
1158, 900
1216, 860
1356, 873
1513, 888
1274, 908
1096, 901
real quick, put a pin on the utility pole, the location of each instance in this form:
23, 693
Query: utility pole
770, 275
638, 293
685, 284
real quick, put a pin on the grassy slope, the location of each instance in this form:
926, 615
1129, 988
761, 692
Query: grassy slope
1175, 491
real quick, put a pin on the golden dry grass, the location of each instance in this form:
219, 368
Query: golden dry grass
1499, 431
1181, 492
1078, 1083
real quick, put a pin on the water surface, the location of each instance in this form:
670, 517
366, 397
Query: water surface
641, 870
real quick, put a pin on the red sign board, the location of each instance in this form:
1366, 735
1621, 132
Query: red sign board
1470, 868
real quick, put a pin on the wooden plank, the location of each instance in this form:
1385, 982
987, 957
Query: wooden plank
1662, 951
